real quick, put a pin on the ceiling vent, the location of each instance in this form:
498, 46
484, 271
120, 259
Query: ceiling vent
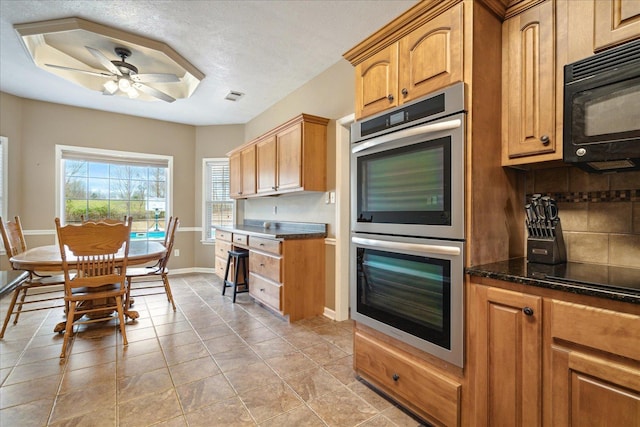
234, 95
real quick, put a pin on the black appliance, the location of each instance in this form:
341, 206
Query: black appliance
602, 110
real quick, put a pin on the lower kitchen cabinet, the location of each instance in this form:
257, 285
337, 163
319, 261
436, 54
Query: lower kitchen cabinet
552, 358
288, 275
226, 241
405, 377
508, 357
595, 366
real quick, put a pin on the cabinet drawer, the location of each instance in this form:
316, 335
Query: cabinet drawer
265, 266
240, 239
222, 249
221, 264
598, 328
223, 235
267, 245
429, 394
265, 291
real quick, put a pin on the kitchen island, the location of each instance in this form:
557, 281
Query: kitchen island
286, 264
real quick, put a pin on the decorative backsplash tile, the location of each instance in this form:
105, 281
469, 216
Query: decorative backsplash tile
594, 196
600, 214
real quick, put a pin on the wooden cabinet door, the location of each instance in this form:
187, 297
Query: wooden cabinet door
431, 56
590, 390
248, 166
377, 82
616, 21
595, 366
266, 165
529, 95
289, 158
235, 176
508, 356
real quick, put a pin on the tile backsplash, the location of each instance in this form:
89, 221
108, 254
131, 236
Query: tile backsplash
600, 214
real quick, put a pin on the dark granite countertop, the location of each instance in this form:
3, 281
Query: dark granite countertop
279, 230
616, 283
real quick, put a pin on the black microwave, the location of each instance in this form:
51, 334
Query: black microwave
602, 110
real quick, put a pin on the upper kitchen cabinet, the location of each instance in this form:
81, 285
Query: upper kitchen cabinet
421, 57
615, 22
289, 158
529, 88
242, 173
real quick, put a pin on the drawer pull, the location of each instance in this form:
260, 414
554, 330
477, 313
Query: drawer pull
528, 311
261, 265
261, 244
395, 377
261, 289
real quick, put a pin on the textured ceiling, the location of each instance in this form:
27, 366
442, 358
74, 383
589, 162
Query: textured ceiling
265, 49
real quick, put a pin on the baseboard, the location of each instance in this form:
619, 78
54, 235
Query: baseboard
331, 314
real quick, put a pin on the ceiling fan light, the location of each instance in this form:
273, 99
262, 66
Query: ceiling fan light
124, 84
132, 93
111, 86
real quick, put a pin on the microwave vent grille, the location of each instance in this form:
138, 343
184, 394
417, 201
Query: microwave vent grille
607, 60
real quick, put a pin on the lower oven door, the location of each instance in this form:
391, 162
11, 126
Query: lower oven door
410, 289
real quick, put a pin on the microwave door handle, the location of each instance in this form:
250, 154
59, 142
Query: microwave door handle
416, 247
404, 133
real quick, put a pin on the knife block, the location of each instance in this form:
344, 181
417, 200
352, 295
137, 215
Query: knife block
547, 249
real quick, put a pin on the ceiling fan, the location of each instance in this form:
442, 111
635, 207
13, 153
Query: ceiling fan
123, 76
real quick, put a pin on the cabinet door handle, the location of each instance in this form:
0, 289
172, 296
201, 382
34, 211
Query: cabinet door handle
274, 188
528, 311
390, 97
261, 289
395, 377
239, 192
261, 244
545, 139
405, 92
261, 265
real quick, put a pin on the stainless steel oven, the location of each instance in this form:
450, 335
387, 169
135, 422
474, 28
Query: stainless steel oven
411, 289
407, 240
407, 168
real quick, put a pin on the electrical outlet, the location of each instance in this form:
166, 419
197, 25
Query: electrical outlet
176, 252
275, 210
332, 197
327, 198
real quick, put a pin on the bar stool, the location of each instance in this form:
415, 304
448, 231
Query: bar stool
240, 257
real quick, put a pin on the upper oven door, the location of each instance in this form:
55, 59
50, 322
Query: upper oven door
411, 182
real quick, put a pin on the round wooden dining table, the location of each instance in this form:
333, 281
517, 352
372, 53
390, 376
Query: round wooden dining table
47, 258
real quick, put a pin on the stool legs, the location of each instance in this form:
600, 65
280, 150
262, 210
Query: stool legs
240, 262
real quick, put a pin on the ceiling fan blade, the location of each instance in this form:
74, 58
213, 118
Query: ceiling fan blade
93, 73
153, 92
104, 61
155, 78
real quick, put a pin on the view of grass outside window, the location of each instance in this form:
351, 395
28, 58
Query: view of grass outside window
218, 205
97, 187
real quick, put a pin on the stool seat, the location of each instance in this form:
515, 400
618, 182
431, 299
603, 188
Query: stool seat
240, 258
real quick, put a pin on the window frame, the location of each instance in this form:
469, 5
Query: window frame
205, 189
107, 154
4, 175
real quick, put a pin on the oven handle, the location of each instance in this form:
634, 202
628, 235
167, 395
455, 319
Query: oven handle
417, 247
404, 133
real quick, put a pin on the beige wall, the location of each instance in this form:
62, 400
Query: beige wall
34, 128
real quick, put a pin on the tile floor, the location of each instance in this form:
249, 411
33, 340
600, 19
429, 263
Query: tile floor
210, 363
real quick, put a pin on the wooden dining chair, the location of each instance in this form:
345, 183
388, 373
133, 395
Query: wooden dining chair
138, 277
38, 291
98, 254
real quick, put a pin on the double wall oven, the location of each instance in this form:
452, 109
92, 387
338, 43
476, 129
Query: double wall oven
407, 207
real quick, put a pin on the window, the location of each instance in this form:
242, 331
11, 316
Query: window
96, 184
218, 205
4, 173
